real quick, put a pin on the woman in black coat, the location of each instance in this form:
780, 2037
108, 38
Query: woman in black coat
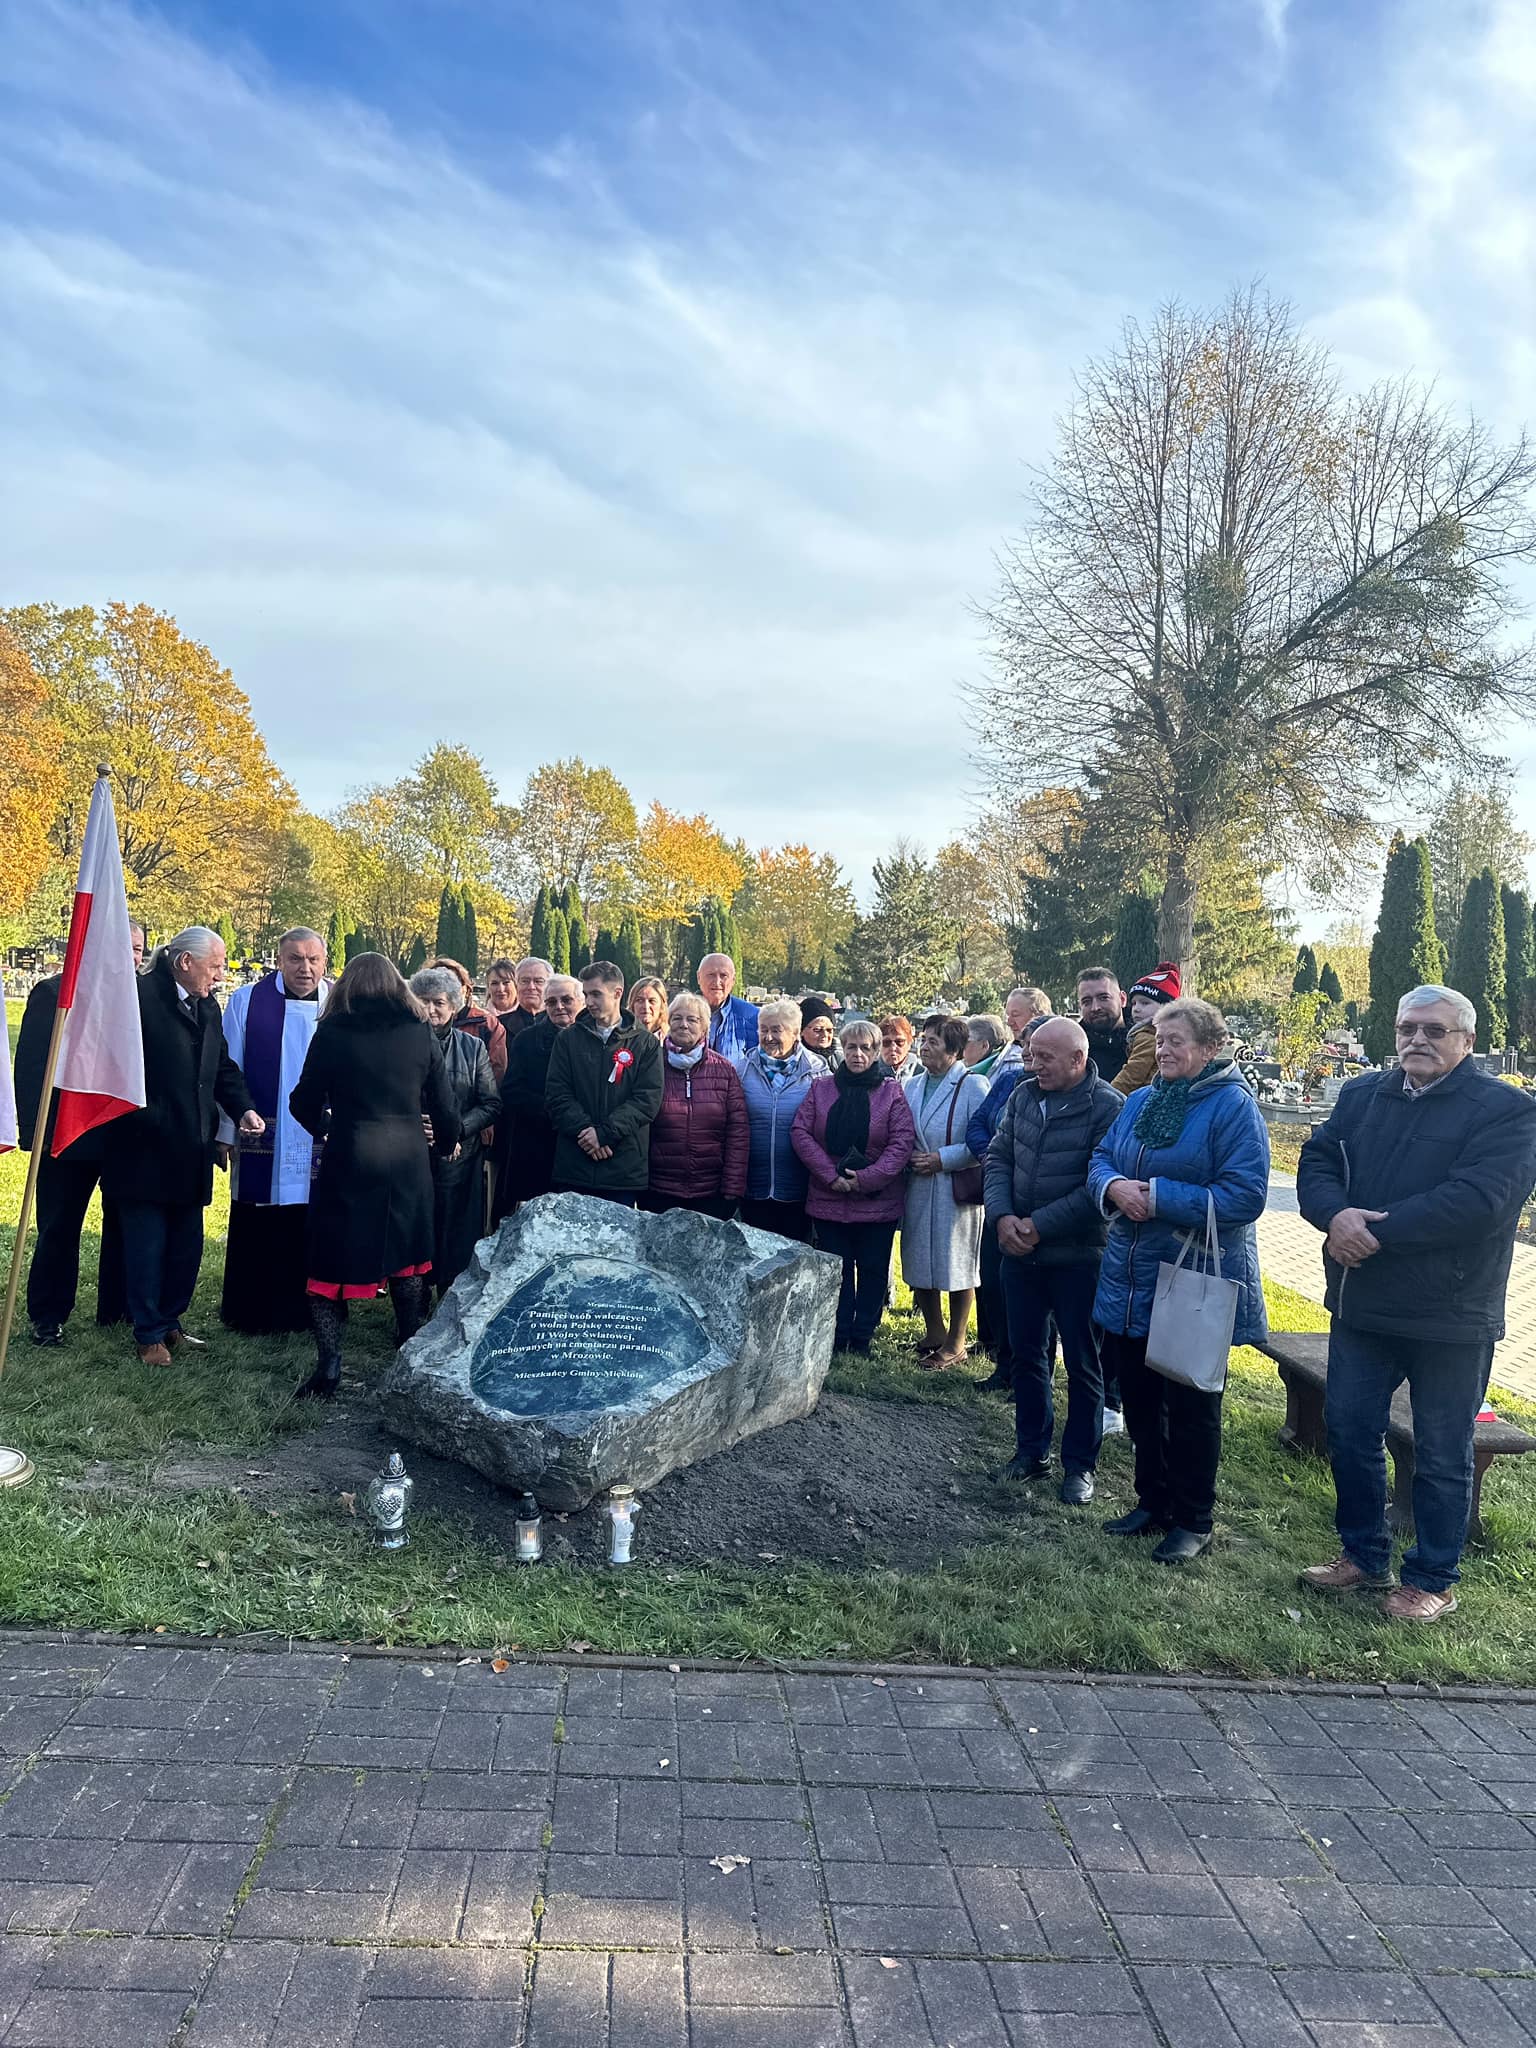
373, 1080
458, 1177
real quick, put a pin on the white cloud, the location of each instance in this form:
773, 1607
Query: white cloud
418, 458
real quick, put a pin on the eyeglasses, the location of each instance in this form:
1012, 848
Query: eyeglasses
1433, 1032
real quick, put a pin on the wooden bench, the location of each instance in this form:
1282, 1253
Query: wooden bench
1302, 1359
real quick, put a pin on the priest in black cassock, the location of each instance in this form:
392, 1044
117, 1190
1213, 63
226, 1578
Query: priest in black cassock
268, 1026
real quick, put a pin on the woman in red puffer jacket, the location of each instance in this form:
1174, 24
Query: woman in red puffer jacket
699, 1141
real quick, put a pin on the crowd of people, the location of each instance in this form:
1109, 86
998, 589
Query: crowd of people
1044, 1171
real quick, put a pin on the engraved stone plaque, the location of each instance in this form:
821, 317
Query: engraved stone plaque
585, 1334
588, 1345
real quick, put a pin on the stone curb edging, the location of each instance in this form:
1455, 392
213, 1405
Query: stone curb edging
263, 1644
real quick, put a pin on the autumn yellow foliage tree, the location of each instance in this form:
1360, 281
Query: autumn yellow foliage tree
197, 794
795, 910
31, 775
574, 826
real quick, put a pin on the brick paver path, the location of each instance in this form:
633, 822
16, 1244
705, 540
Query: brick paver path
236, 1850
1290, 1251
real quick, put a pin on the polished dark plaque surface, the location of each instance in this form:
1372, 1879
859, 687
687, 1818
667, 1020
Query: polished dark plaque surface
584, 1334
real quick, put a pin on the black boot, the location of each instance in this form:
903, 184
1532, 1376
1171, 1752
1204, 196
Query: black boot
410, 1298
323, 1383
1139, 1522
327, 1319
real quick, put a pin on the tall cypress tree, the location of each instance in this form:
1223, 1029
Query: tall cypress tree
416, 958
336, 940
1479, 968
559, 954
628, 951
1519, 962
226, 932
576, 926
1133, 950
1405, 951
538, 932
1305, 981
449, 937
1328, 984
730, 939
469, 933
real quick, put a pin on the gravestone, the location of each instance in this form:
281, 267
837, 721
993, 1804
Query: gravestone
588, 1345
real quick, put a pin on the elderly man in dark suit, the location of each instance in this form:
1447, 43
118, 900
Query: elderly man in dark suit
64, 1185
1418, 1179
159, 1161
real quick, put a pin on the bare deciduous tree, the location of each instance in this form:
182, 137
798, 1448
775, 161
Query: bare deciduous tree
1253, 603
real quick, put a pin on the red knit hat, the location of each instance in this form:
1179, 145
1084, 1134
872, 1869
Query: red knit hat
1162, 984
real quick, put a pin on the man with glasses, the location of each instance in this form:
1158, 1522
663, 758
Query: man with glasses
1418, 1179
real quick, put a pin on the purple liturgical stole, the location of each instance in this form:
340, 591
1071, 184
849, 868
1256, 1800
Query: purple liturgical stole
262, 1067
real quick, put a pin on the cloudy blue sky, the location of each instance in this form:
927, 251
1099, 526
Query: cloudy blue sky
654, 379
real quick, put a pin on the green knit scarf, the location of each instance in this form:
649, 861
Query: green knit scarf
1163, 1113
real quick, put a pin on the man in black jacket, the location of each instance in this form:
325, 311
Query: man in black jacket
525, 1142
159, 1161
603, 1093
64, 1185
1101, 1012
1051, 1236
1418, 1179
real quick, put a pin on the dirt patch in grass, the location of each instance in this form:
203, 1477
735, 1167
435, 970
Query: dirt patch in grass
858, 1482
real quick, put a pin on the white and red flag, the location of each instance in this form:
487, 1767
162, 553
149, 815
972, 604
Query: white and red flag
7, 1098
101, 1062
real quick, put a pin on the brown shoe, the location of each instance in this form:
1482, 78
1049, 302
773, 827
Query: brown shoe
1417, 1603
1342, 1576
176, 1338
153, 1354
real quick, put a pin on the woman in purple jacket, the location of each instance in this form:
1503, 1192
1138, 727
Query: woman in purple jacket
854, 1134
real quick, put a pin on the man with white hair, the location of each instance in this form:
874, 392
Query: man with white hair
732, 1020
268, 1026
1021, 1009
530, 977
159, 1162
1418, 1179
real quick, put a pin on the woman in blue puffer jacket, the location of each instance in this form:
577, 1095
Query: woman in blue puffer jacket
776, 1076
1196, 1132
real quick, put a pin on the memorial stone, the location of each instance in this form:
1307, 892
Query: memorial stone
588, 1345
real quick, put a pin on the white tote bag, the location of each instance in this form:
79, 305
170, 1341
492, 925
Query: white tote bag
1193, 1314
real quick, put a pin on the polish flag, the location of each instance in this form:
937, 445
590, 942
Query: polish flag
101, 1063
7, 1100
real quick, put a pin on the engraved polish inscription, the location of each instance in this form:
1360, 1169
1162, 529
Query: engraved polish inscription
585, 1334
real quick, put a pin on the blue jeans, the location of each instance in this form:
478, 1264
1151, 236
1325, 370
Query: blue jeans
1446, 1385
1035, 1296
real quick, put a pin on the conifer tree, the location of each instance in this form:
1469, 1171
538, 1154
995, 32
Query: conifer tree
226, 931
417, 956
576, 926
469, 933
336, 940
628, 952
1405, 952
559, 952
606, 947
449, 937
1328, 984
1479, 967
538, 934
1519, 963
1133, 950
1305, 982
823, 973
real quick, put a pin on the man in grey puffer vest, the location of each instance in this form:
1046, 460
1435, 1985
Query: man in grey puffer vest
1051, 1235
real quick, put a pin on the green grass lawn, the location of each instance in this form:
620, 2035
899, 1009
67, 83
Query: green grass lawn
1053, 1592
